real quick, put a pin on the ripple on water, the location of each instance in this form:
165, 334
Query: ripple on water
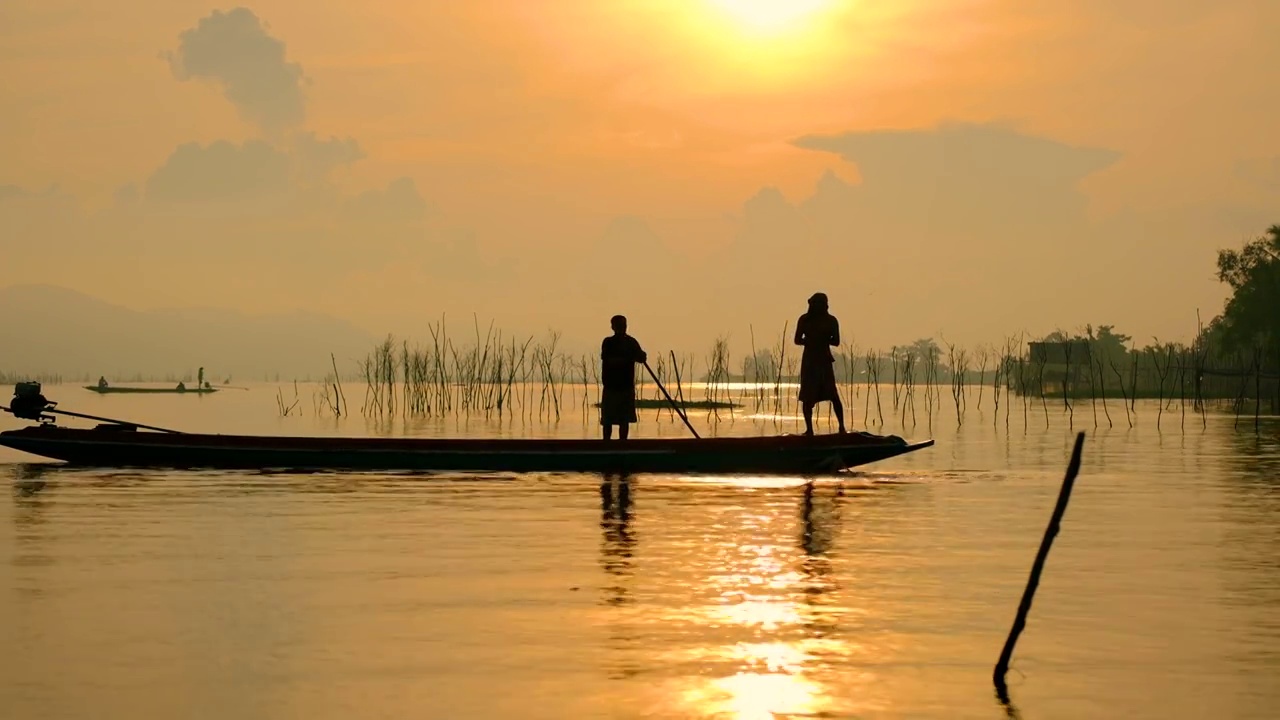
885, 593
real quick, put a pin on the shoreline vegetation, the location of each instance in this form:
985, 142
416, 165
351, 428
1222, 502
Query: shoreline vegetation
490, 374
1233, 362
497, 374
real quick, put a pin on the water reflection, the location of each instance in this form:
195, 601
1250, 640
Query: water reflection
1007, 705
819, 528
617, 549
780, 598
32, 471
1250, 564
31, 504
1255, 457
618, 545
1253, 499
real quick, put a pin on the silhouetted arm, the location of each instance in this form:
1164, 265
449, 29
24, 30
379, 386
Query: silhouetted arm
800, 331
640, 355
835, 332
604, 349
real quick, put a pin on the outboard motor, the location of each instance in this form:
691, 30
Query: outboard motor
29, 404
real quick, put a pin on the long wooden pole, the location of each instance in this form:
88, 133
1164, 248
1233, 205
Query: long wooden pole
674, 404
1024, 607
114, 421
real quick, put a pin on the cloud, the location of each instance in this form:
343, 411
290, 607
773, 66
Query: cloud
317, 158
958, 153
978, 178
234, 50
399, 203
274, 199
252, 172
628, 233
620, 260
221, 172
977, 231
768, 214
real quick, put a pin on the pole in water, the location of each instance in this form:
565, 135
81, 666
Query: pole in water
678, 410
1024, 607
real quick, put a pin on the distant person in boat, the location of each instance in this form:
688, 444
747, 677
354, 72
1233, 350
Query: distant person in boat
818, 331
102, 382
619, 354
182, 387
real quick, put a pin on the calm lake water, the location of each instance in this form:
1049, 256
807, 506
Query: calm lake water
886, 594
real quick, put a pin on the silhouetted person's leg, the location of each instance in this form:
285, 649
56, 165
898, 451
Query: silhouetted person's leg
608, 431
839, 408
624, 429
808, 418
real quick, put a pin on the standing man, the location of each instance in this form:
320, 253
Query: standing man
818, 331
619, 354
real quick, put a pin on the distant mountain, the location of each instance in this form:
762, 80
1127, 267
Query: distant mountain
50, 329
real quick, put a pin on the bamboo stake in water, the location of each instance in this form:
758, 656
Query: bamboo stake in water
1050, 532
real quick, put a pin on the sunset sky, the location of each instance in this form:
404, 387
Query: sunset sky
966, 167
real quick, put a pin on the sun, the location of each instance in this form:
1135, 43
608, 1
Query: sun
771, 17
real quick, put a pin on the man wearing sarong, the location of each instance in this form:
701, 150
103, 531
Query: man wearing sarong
818, 331
619, 354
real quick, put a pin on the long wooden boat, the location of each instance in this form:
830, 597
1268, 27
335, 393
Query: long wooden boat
125, 446
165, 390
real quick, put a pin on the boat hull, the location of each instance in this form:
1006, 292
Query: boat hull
150, 391
767, 455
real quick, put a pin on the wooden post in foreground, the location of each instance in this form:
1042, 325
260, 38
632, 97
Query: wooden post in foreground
1020, 620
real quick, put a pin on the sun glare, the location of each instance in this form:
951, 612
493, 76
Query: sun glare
771, 17
759, 43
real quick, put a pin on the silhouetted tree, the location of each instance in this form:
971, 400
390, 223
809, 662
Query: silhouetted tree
1106, 344
1250, 318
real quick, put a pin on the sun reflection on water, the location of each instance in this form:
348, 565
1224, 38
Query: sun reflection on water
756, 622
757, 696
768, 600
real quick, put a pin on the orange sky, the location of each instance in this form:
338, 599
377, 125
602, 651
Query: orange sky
568, 157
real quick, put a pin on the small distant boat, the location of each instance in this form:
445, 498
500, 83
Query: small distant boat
108, 389
125, 446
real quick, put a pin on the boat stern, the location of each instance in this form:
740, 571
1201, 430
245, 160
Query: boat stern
22, 441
